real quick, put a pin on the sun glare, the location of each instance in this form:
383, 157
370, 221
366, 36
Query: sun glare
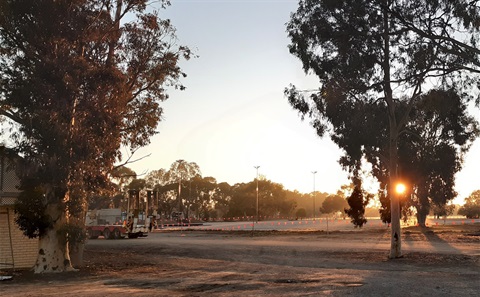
400, 188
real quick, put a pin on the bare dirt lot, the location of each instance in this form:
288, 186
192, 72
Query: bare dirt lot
438, 261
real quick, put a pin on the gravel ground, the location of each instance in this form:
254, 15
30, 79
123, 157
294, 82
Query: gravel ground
438, 261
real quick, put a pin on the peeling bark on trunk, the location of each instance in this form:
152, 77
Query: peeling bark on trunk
53, 254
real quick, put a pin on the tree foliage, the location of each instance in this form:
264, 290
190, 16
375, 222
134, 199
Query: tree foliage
438, 132
78, 80
182, 188
333, 203
272, 200
33, 219
122, 176
156, 177
357, 202
305, 200
431, 149
379, 54
301, 213
182, 170
471, 208
443, 210
205, 198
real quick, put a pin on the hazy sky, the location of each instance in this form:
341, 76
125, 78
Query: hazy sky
233, 114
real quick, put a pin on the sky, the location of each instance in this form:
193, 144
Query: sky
234, 116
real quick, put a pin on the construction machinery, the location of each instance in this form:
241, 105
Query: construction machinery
115, 224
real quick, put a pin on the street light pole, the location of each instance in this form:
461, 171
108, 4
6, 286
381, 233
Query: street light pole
314, 172
256, 167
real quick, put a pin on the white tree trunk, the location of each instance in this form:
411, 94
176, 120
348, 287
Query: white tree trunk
53, 254
396, 238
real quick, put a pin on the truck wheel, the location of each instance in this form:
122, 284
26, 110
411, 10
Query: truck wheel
132, 235
107, 234
117, 234
91, 234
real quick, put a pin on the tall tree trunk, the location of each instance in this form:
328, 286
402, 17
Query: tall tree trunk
115, 35
422, 204
421, 218
77, 248
76, 254
396, 241
179, 199
53, 253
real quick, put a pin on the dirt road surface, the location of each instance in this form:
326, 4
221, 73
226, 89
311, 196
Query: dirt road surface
438, 261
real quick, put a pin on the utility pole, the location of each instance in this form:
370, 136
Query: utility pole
314, 172
256, 167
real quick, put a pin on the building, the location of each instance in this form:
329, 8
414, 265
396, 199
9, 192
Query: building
16, 250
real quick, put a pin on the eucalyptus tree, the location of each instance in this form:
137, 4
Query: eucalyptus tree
181, 171
79, 80
381, 50
222, 197
272, 199
305, 200
201, 193
122, 176
167, 198
242, 202
358, 201
432, 146
156, 177
471, 208
334, 203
